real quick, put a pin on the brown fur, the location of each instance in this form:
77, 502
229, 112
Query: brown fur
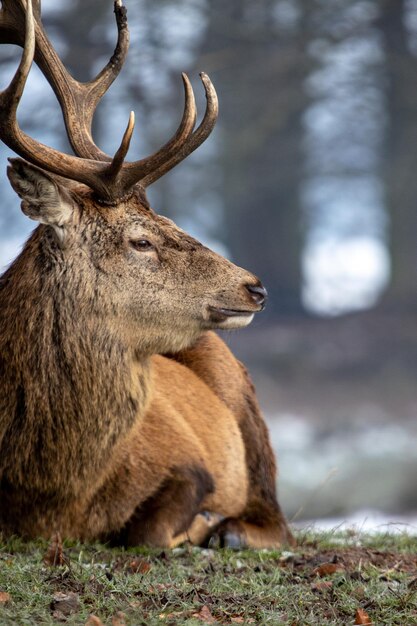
100, 434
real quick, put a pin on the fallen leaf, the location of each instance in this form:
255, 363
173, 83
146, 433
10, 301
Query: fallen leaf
205, 615
362, 617
359, 592
172, 615
54, 556
93, 620
119, 619
138, 566
5, 597
65, 602
135, 604
327, 569
322, 585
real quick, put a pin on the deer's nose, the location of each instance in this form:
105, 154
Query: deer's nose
258, 294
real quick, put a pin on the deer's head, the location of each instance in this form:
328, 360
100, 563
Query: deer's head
161, 286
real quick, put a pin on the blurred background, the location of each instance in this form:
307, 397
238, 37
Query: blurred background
310, 181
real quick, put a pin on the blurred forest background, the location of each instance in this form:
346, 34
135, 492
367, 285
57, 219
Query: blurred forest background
310, 181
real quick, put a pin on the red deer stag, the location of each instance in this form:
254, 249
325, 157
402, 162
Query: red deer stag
121, 413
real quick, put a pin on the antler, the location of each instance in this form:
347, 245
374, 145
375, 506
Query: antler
111, 178
88, 172
78, 100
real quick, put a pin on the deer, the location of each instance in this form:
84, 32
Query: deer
123, 415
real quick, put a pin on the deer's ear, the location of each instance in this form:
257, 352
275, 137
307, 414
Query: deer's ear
43, 199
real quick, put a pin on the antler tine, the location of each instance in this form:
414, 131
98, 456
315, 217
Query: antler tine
118, 159
136, 171
100, 84
195, 139
78, 100
88, 95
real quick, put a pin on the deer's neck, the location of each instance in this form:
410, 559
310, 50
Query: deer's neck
69, 387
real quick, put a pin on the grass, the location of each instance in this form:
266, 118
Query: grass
190, 586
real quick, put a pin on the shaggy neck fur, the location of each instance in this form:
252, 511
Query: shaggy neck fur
69, 387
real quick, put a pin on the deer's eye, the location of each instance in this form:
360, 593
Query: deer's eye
143, 245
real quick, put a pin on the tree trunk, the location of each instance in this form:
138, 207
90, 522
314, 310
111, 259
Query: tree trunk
400, 157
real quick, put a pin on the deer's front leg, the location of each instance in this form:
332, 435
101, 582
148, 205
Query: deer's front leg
261, 522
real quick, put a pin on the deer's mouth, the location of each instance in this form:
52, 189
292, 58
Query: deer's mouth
230, 318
